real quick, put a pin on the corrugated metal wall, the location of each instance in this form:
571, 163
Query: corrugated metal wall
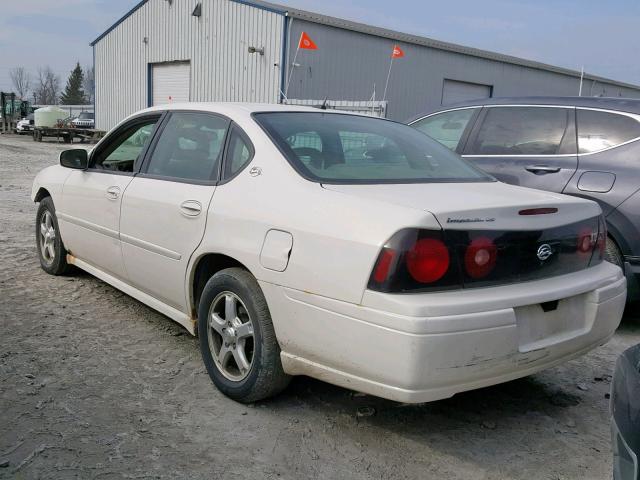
346, 67
216, 44
347, 64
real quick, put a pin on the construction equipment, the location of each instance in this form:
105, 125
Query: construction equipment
12, 110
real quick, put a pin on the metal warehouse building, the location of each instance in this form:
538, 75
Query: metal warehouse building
234, 50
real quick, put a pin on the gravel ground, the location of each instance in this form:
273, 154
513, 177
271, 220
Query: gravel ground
93, 384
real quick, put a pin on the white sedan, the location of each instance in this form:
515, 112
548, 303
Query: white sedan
295, 241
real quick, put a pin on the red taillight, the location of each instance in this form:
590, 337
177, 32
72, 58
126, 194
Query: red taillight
428, 260
383, 265
480, 257
586, 241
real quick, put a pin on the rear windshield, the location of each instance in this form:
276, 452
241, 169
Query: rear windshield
85, 116
338, 148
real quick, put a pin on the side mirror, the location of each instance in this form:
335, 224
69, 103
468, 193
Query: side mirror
77, 158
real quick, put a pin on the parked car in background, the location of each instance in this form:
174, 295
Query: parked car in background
84, 120
625, 411
25, 126
586, 147
347, 248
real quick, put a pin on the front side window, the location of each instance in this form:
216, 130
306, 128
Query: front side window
447, 127
524, 131
338, 148
121, 154
600, 130
190, 147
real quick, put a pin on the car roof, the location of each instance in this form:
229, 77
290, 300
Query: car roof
238, 107
630, 105
237, 110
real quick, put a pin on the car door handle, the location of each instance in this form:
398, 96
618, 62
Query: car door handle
542, 169
113, 193
191, 208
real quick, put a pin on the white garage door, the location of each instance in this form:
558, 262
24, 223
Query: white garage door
454, 91
170, 82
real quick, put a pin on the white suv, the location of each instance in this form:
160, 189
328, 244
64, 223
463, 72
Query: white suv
84, 120
348, 248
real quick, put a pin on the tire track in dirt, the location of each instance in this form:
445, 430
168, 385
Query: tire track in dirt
94, 384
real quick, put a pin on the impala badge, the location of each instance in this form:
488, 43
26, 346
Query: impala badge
544, 252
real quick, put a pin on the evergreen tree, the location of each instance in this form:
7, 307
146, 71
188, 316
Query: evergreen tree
73, 93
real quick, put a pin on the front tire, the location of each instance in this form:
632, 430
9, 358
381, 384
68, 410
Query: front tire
237, 340
51, 251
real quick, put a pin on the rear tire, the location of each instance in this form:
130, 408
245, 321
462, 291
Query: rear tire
612, 253
51, 251
237, 340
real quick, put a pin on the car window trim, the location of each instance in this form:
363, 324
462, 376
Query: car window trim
152, 146
234, 127
422, 117
114, 134
479, 121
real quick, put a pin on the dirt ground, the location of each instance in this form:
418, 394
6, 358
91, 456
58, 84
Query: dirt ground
93, 384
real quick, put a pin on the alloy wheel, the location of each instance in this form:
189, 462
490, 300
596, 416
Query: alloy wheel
230, 335
47, 238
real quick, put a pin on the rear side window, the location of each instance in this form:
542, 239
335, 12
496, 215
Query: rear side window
447, 127
600, 130
190, 147
525, 131
239, 153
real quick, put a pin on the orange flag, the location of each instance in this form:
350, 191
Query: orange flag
306, 42
397, 52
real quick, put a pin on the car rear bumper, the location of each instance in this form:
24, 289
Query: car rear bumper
424, 347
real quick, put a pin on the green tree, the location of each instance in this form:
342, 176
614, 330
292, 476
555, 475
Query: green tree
73, 93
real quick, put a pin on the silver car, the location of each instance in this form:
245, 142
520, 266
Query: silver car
587, 147
625, 416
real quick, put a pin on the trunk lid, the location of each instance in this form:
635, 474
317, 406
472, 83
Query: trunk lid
479, 206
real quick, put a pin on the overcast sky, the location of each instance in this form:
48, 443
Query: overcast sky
601, 35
